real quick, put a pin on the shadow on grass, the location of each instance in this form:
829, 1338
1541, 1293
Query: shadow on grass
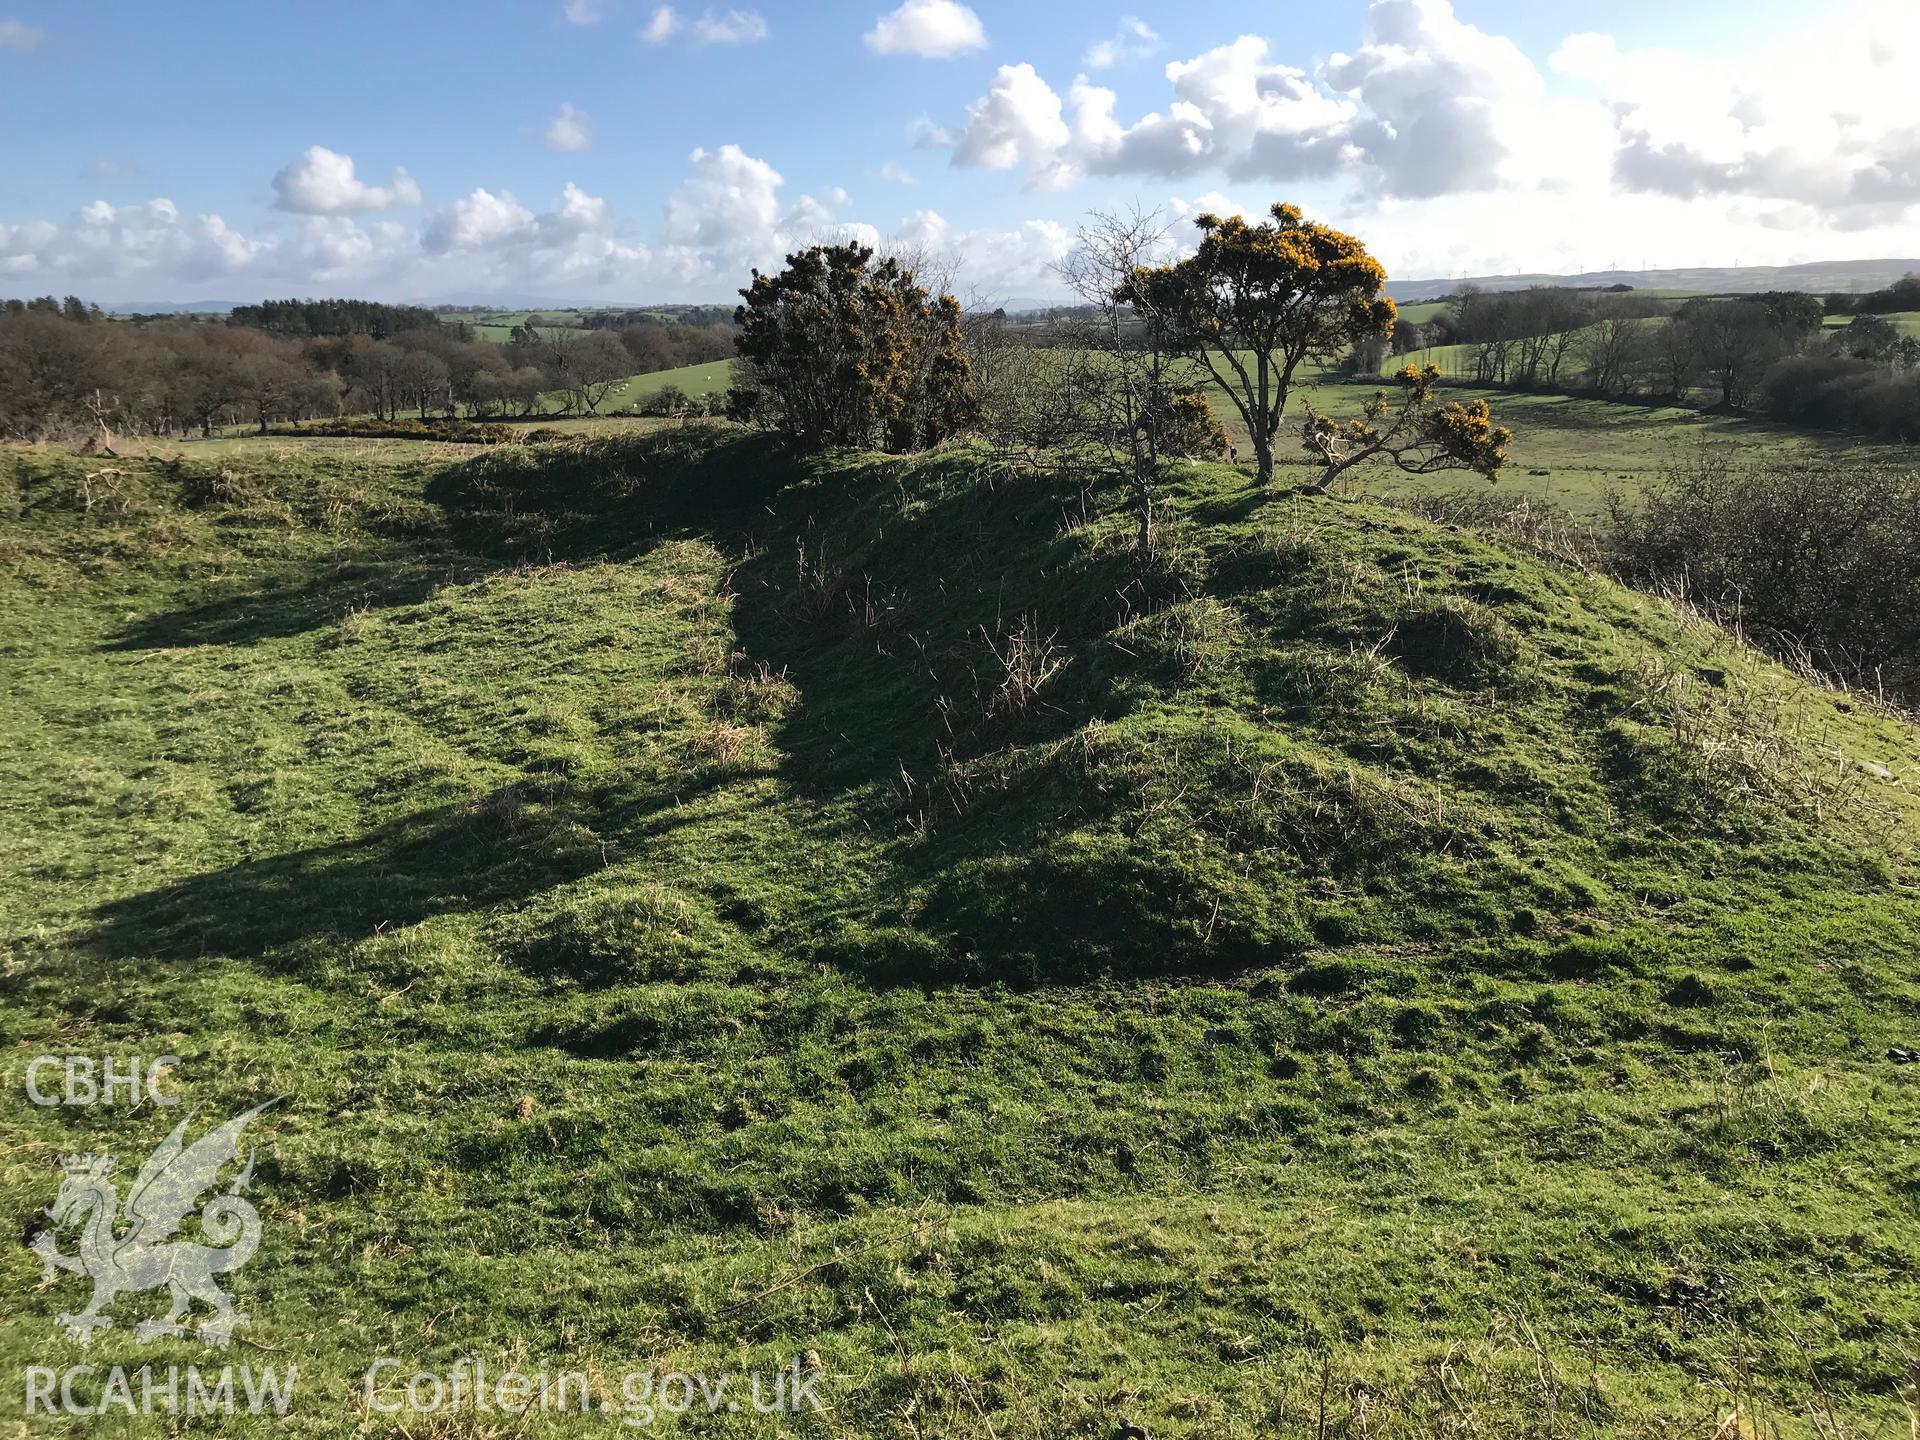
893, 596
507, 505
908, 601
519, 840
951, 632
578, 501
292, 603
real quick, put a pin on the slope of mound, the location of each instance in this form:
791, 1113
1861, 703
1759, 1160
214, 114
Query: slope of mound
1300, 724
707, 908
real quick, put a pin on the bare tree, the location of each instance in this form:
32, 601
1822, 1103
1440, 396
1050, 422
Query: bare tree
376, 371
588, 366
422, 381
1739, 340
1676, 348
1126, 363
1615, 348
1040, 404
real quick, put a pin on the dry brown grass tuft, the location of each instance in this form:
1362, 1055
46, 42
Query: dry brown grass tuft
1026, 662
721, 743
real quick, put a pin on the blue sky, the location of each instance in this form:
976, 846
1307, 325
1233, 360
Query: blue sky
622, 150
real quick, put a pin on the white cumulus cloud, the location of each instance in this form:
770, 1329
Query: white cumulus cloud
149, 242
988, 264
571, 129
499, 242
1134, 40
1442, 144
734, 27
322, 182
1834, 144
1017, 122
478, 220
728, 215
1426, 104
1437, 97
731, 212
17, 35
1181, 210
722, 27
1740, 143
577, 214
662, 25
731, 198
935, 29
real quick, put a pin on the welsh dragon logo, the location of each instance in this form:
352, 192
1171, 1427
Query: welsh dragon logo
147, 1256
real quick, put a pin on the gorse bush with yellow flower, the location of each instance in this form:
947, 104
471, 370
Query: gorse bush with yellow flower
1421, 437
1256, 302
841, 350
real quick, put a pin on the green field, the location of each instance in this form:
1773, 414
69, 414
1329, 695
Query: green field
1453, 360
498, 325
1908, 321
1351, 978
712, 378
1576, 452
1458, 359
1586, 448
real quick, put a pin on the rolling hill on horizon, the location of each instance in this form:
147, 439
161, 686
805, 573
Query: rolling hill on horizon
1820, 277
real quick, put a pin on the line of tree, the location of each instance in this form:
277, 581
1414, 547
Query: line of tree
62, 376
1903, 294
306, 319
73, 308
693, 317
655, 344
65, 371
1763, 354
1621, 346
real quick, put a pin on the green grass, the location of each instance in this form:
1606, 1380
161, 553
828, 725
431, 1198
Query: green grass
712, 378
1571, 450
705, 909
1908, 321
1576, 452
1457, 359
498, 325
1453, 360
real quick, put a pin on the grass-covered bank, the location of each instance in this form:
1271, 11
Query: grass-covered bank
705, 910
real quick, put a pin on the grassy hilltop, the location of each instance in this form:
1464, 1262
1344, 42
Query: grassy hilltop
1351, 977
